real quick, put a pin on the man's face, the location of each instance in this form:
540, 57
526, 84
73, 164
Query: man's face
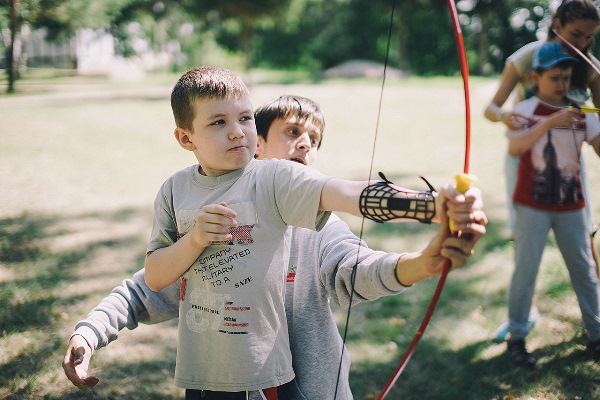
224, 134
290, 139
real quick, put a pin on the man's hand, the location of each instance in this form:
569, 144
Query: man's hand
76, 363
466, 210
457, 249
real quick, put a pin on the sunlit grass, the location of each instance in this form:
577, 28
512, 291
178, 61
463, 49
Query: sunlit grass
80, 164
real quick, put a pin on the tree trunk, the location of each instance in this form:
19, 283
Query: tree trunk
10, 51
484, 68
21, 56
402, 38
247, 33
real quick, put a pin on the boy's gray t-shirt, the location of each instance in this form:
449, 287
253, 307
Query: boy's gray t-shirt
320, 271
233, 333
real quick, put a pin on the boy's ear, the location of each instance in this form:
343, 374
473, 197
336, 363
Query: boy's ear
260, 148
535, 77
183, 138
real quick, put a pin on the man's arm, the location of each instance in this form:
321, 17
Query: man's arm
339, 251
127, 305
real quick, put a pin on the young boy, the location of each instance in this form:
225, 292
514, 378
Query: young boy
221, 224
548, 195
319, 269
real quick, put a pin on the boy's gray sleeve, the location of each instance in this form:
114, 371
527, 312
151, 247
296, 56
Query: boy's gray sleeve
127, 305
375, 272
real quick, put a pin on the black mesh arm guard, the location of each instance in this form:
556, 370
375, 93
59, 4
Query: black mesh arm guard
381, 201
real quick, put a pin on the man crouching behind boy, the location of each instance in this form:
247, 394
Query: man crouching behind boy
221, 225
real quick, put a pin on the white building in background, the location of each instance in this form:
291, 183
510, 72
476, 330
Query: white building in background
90, 52
94, 51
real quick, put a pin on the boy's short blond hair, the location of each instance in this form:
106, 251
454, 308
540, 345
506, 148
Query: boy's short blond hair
286, 106
202, 83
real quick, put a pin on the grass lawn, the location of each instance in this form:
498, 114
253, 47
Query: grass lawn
80, 164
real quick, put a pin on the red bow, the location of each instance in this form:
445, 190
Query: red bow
464, 68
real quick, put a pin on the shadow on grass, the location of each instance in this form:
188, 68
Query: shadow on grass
32, 278
493, 239
30, 296
130, 380
121, 380
437, 372
564, 373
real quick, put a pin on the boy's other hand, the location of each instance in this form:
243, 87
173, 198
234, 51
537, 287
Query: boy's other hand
76, 363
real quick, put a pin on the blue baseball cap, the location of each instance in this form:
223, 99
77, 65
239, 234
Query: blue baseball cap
549, 54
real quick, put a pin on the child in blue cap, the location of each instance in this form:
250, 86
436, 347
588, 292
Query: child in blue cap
549, 195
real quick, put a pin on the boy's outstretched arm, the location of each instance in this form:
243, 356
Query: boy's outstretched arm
343, 195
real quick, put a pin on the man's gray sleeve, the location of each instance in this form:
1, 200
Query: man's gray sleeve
340, 250
125, 307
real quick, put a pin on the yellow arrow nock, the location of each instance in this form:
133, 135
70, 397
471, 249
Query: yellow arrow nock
586, 109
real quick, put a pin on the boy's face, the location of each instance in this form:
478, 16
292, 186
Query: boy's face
224, 134
290, 139
553, 84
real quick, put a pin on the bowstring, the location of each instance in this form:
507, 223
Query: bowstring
362, 225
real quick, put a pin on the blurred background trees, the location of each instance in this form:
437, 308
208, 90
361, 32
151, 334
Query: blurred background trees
309, 35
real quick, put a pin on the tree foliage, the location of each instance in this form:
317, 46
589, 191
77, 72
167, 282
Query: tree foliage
304, 34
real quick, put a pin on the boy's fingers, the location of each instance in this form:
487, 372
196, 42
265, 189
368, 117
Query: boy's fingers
214, 219
217, 214
219, 209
